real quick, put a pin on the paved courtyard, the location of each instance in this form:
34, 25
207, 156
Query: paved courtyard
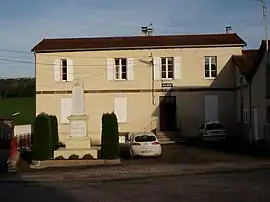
245, 186
181, 154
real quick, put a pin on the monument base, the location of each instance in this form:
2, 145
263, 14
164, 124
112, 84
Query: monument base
75, 143
66, 153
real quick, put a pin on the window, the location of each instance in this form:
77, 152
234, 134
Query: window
167, 67
145, 138
268, 114
120, 109
66, 105
64, 68
240, 114
120, 68
245, 116
214, 126
210, 65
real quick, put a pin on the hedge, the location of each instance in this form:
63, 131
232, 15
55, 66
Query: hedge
45, 136
109, 137
42, 143
54, 132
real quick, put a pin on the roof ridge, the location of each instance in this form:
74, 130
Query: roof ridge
141, 36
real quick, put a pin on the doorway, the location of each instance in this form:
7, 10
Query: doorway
167, 113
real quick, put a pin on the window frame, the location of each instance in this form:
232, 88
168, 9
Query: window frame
120, 73
61, 70
167, 68
245, 116
210, 67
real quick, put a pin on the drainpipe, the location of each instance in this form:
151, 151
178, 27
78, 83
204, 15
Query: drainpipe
153, 79
250, 113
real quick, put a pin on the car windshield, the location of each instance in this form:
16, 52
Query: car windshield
145, 138
214, 126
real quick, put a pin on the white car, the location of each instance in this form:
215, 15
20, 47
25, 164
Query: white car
212, 131
144, 144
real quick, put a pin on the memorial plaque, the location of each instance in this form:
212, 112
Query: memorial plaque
78, 128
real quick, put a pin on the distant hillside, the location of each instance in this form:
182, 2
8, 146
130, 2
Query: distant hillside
25, 106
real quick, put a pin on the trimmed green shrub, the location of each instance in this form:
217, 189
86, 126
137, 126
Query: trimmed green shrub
109, 137
73, 157
42, 144
88, 156
59, 158
60, 145
54, 132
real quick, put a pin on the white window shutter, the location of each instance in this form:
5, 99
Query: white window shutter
120, 109
66, 105
110, 69
57, 70
157, 68
130, 69
69, 70
177, 68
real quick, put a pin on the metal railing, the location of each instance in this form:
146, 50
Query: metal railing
23, 141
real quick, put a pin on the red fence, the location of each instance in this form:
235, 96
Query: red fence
22, 141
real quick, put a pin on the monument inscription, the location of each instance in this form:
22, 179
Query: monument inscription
78, 128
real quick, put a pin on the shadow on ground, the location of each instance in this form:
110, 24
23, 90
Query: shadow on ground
31, 191
188, 153
233, 146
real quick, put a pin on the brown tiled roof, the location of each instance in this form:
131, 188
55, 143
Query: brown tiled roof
246, 60
250, 60
136, 42
258, 60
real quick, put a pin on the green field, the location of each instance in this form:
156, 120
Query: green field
26, 107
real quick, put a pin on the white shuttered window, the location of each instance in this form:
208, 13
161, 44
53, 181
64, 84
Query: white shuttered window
66, 106
120, 109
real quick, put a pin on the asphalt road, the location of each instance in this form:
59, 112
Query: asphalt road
229, 187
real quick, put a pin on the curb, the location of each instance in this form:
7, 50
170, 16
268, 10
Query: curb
138, 176
68, 167
189, 173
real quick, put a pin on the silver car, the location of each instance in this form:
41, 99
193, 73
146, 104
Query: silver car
212, 131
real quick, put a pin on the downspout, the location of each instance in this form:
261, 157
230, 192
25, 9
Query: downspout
250, 113
152, 80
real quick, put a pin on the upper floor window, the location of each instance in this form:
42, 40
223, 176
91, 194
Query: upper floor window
210, 65
63, 69
120, 68
167, 66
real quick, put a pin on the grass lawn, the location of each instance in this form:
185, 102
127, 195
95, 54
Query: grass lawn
26, 106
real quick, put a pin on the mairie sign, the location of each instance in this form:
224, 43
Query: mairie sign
166, 85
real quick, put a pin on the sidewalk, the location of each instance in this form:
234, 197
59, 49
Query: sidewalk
134, 172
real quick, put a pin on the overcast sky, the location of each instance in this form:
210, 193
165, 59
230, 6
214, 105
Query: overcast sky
25, 22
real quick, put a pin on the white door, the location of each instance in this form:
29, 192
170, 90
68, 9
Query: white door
256, 123
211, 108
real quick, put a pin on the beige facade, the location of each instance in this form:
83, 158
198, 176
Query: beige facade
140, 93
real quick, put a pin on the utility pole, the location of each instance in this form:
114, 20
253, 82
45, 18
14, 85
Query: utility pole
265, 16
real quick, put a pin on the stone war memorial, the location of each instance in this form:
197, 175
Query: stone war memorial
78, 141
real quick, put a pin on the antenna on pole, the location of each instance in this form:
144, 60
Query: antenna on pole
148, 30
266, 26
228, 29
